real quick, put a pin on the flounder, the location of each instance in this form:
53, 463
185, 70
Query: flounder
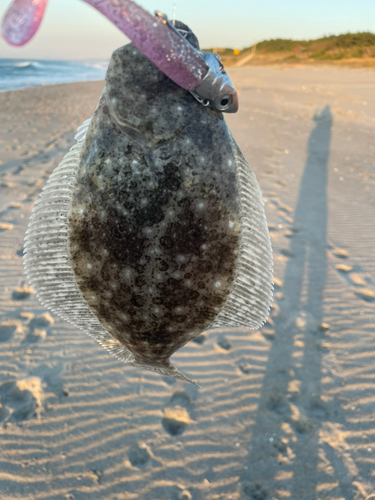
152, 229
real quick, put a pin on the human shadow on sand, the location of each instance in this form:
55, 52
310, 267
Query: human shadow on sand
284, 449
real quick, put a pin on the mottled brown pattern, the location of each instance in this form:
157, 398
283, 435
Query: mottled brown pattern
154, 226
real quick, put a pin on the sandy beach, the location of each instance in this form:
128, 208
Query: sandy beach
286, 412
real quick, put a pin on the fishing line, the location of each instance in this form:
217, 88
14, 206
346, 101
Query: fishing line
174, 12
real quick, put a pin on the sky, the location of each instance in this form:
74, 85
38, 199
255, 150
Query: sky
71, 29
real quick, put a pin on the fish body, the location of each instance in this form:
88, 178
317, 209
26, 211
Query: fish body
152, 229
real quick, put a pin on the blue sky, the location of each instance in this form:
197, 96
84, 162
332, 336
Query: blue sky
71, 29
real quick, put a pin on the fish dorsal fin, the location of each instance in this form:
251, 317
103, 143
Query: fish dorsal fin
250, 298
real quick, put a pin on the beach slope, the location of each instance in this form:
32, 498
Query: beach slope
287, 412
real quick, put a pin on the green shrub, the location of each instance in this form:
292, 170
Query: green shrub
358, 53
331, 47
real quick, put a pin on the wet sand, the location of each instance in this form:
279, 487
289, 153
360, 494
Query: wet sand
286, 412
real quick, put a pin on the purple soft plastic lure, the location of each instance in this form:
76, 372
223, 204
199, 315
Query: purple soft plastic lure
21, 21
168, 50
163, 46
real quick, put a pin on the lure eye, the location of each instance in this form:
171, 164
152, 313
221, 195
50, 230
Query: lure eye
225, 102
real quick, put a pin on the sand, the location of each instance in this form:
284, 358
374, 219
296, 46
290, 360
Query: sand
287, 412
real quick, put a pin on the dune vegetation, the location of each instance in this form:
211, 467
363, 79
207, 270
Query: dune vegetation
348, 48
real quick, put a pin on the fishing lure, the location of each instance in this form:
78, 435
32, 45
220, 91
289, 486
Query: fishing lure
152, 229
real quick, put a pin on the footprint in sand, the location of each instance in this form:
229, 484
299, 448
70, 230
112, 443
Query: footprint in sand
224, 344
303, 424
343, 268
245, 368
14, 204
36, 336
277, 402
180, 398
139, 455
44, 320
4, 226
22, 293
6, 184
366, 294
51, 376
200, 339
255, 491
324, 327
7, 330
176, 416
357, 279
352, 278
341, 253
281, 444
22, 398
176, 420
19, 169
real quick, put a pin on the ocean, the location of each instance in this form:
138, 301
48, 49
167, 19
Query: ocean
23, 73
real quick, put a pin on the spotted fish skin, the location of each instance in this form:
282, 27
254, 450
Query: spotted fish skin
154, 228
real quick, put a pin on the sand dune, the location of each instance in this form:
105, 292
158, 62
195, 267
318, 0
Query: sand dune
287, 412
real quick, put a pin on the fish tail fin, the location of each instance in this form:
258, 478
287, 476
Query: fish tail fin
168, 370
114, 347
